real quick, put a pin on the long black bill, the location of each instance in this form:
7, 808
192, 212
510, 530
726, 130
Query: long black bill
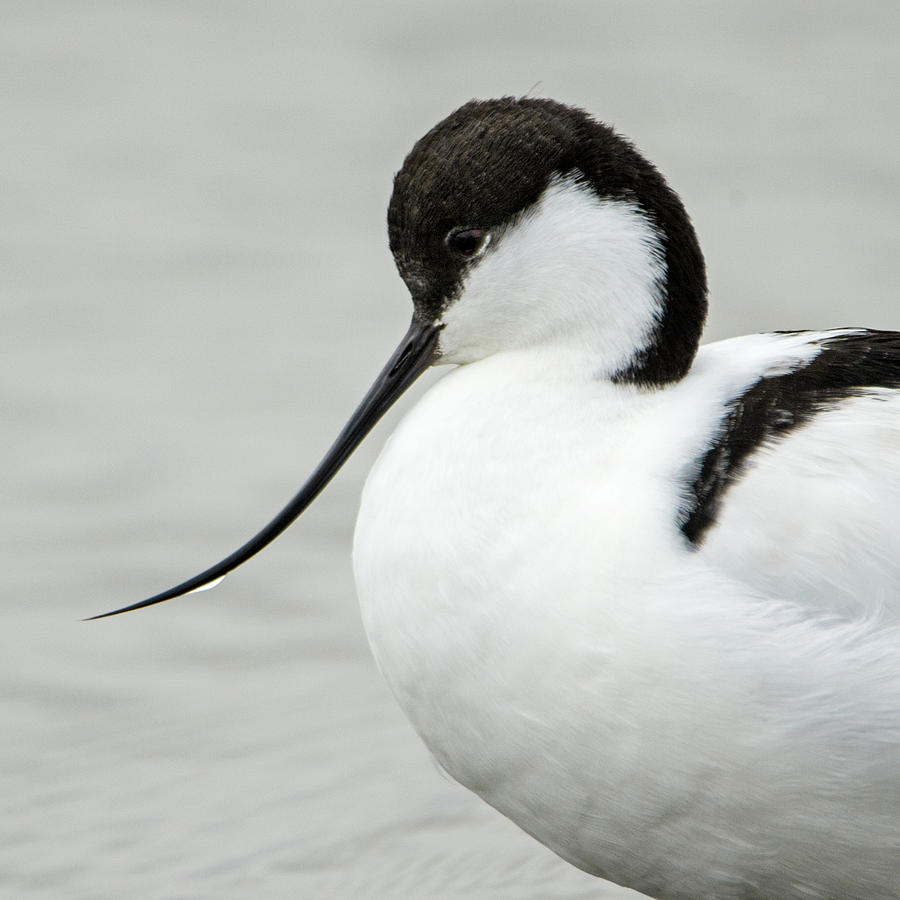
417, 351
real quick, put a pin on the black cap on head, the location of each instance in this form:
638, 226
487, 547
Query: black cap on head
490, 160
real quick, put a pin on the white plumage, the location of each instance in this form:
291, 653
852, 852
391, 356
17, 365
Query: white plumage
644, 600
721, 721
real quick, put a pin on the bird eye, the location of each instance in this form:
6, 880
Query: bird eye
467, 242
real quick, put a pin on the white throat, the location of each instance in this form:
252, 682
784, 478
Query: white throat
577, 271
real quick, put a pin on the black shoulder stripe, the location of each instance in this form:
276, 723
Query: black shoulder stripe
848, 364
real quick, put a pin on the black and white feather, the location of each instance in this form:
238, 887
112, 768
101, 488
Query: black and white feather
642, 597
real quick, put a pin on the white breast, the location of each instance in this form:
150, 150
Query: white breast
563, 653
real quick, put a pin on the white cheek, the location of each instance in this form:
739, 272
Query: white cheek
575, 270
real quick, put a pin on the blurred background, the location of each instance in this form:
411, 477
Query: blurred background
195, 291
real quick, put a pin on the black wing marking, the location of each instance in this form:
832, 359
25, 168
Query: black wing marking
849, 363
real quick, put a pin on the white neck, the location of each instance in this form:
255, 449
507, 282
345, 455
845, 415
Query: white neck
575, 270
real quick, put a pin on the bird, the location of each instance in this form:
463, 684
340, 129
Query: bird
641, 595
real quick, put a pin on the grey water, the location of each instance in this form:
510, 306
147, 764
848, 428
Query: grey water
195, 290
